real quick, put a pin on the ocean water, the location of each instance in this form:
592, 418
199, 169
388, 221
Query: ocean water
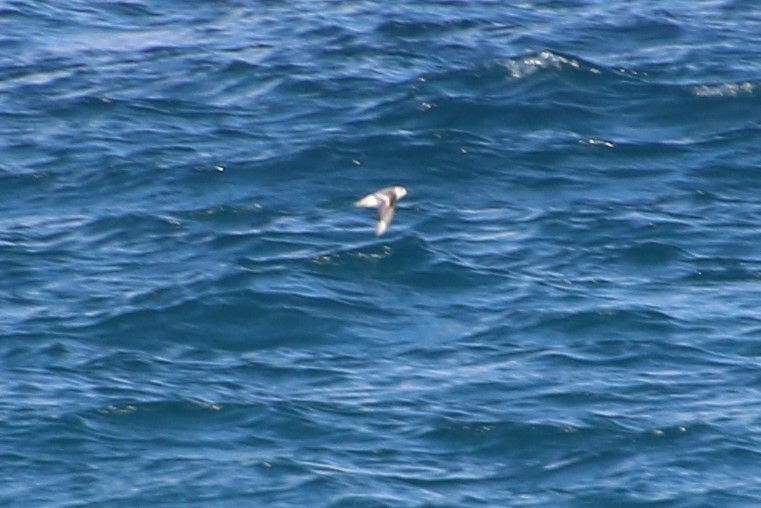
563, 313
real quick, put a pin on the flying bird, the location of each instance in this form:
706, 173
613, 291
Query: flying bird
385, 200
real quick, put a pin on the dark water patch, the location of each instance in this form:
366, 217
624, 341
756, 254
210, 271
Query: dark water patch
243, 323
606, 323
180, 420
391, 258
423, 29
654, 254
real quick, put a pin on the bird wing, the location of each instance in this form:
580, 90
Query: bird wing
377, 198
385, 214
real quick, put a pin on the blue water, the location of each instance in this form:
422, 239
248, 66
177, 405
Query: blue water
563, 313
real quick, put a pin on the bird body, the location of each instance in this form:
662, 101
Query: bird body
385, 201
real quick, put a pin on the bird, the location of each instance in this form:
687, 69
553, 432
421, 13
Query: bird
385, 200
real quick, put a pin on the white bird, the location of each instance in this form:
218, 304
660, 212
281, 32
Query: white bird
385, 200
